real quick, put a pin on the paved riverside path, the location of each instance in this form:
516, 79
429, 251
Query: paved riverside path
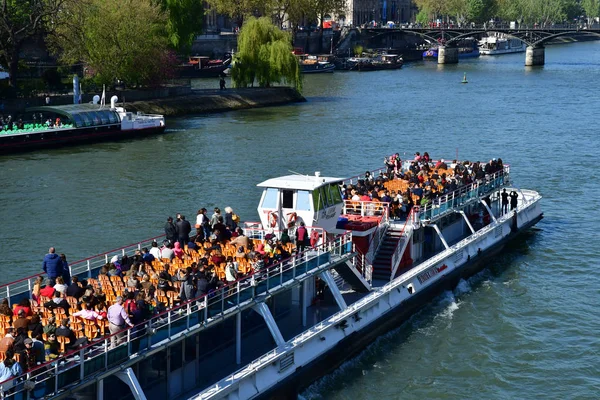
204, 101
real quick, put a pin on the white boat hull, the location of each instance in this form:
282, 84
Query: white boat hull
349, 330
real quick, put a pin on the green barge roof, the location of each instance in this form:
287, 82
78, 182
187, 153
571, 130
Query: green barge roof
82, 115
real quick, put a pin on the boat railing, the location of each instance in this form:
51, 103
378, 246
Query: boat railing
171, 325
367, 208
364, 261
83, 269
254, 230
411, 220
465, 194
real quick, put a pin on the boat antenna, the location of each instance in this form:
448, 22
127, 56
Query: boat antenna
295, 173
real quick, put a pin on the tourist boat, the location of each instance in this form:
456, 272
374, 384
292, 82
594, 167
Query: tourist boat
495, 45
79, 123
204, 67
375, 63
310, 64
467, 48
277, 330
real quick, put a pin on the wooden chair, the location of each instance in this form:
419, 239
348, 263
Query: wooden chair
64, 341
91, 332
103, 326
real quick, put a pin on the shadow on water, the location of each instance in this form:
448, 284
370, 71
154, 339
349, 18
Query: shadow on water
422, 322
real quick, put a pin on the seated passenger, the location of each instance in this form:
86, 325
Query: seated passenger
5, 308
24, 305
60, 285
58, 302
178, 251
51, 347
75, 290
21, 321
9, 368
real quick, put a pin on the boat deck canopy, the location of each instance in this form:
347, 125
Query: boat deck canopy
300, 182
82, 115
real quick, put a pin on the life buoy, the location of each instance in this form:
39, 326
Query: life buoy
292, 218
272, 217
314, 238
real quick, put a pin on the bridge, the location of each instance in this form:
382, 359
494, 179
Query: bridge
534, 37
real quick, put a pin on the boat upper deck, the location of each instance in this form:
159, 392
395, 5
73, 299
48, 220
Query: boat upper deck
256, 279
76, 365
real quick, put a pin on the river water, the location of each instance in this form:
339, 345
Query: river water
526, 327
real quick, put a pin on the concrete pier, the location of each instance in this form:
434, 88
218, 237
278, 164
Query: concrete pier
447, 55
212, 101
535, 56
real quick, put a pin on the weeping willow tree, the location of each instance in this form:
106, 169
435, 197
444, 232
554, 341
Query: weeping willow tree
265, 56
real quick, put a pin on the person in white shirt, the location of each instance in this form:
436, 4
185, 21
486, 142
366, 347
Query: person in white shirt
155, 251
60, 285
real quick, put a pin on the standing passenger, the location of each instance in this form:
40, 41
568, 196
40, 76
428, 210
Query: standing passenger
117, 321
171, 230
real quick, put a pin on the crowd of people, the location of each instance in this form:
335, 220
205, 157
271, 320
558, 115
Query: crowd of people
8, 124
64, 313
419, 182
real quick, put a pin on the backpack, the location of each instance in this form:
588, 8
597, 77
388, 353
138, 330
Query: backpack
130, 306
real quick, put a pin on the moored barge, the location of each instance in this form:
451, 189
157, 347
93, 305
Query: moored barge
54, 126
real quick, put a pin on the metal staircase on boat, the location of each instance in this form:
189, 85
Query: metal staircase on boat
382, 265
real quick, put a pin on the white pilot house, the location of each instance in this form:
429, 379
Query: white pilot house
288, 200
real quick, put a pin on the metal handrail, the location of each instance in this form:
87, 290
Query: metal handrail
396, 257
81, 267
367, 208
196, 312
464, 194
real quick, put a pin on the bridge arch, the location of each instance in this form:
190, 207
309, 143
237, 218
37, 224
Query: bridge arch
569, 33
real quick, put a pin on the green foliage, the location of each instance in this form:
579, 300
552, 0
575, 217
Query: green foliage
21, 20
123, 40
423, 16
239, 10
265, 56
480, 11
184, 21
358, 50
528, 11
591, 9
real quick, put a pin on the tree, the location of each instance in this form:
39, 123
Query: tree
21, 20
264, 55
591, 9
124, 40
479, 10
239, 10
184, 21
319, 9
291, 11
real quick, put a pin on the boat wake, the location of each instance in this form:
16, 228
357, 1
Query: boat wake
423, 323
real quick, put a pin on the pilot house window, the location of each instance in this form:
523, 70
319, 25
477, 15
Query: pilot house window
287, 199
303, 200
270, 198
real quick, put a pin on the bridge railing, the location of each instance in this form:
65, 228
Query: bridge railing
112, 351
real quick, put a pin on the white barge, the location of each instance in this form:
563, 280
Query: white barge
272, 333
